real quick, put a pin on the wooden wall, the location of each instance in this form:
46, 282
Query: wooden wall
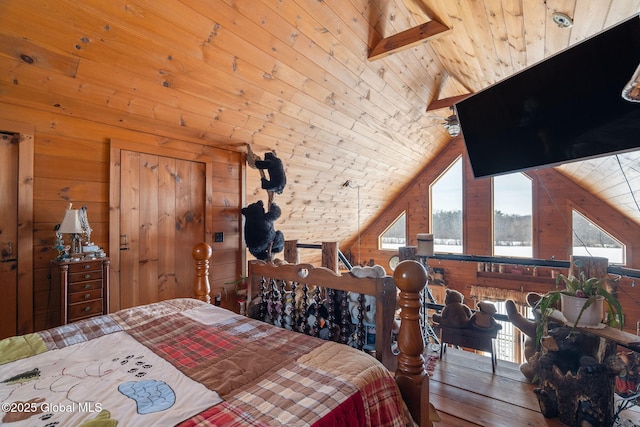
554, 197
71, 164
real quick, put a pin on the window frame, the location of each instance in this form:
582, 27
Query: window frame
461, 160
602, 229
493, 217
394, 222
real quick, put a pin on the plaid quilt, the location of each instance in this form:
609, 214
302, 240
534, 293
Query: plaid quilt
251, 373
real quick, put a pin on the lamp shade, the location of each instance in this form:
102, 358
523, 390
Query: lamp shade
425, 244
71, 222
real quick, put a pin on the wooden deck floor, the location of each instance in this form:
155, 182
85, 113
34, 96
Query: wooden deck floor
466, 393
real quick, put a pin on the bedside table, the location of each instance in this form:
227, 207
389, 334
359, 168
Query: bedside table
84, 288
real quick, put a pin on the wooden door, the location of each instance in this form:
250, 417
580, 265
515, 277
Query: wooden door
8, 233
162, 216
16, 226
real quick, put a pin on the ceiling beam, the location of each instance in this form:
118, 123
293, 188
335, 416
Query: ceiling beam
420, 11
446, 102
408, 38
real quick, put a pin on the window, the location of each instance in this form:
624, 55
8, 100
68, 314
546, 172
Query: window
512, 216
396, 234
591, 240
446, 210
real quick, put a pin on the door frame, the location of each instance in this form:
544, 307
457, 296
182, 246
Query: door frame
25, 222
116, 147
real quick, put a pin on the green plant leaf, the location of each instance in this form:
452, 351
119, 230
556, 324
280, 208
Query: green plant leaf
615, 317
546, 306
591, 287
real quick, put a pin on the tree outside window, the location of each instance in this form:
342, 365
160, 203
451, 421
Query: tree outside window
512, 215
446, 210
591, 240
396, 234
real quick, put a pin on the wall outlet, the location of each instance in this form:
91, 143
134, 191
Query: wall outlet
218, 236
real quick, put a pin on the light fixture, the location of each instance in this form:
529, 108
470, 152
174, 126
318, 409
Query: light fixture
72, 224
631, 91
562, 20
452, 125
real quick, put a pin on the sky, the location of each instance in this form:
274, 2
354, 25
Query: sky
512, 192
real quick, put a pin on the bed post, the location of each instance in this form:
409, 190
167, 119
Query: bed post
330, 255
201, 254
411, 375
291, 254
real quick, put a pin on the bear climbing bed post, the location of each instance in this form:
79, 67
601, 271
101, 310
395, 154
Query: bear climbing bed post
277, 179
261, 238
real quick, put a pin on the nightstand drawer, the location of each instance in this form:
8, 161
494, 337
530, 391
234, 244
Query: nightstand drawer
85, 266
84, 276
84, 287
85, 296
85, 309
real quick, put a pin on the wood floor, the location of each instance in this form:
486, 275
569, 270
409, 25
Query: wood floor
466, 393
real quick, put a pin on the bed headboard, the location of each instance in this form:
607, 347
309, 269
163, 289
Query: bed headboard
383, 288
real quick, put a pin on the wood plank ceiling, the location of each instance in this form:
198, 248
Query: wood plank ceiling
294, 76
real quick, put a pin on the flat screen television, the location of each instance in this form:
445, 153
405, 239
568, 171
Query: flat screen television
568, 107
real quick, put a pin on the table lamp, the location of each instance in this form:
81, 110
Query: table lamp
71, 224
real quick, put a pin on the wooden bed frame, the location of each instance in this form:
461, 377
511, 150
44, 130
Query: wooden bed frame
409, 276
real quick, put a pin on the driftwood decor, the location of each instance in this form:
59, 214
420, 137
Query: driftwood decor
576, 369
576, 377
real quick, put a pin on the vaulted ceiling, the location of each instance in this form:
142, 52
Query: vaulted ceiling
295, 76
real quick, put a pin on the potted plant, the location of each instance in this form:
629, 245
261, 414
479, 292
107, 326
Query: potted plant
579, 296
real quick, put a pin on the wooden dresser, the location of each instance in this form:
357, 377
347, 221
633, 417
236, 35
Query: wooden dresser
84, 288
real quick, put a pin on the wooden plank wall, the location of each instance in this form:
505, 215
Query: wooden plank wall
554, 197
71, 162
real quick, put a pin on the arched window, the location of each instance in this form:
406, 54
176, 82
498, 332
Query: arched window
512, 215
446, 209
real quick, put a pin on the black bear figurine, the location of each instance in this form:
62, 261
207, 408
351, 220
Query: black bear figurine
259, 234
277, 177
